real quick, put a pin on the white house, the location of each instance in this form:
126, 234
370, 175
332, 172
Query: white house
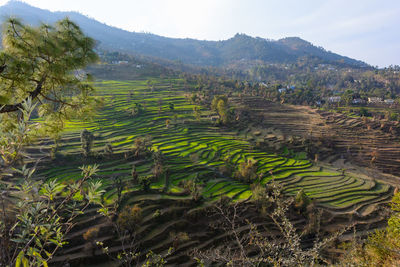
374, 100
119, 62
389, 101
334, 99
358, 101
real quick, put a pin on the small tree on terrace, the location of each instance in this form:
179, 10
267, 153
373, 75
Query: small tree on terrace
247, 171
221, 106
86, 142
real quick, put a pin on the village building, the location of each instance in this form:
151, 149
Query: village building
334, 99
389, 101
358, 101
374, 100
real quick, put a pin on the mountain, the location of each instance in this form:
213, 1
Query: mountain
240, 48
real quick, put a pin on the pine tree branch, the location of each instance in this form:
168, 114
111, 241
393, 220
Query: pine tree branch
33, 95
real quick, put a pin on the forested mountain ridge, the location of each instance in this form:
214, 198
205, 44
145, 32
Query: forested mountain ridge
240, 48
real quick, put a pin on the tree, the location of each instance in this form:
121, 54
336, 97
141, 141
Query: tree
197, 112
129, 218
145, 182
108, 150
37, 72
302, 200
134, 175
44, 64
220, 104
247, 171
86, 142
382, 247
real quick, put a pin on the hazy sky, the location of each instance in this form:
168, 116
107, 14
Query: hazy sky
368, 30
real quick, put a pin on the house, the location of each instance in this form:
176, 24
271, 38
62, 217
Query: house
119, 62
389, 101
281, 90
374, 100
334, 99
358, 101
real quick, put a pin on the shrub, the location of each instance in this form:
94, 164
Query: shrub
302, 200
91, 234
247, 171
108, 149
145, 182
86, 142
364, 112
134, 175
130, 218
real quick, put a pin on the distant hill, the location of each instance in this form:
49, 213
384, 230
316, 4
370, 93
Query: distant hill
240, 48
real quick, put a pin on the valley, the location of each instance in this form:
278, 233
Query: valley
193, 150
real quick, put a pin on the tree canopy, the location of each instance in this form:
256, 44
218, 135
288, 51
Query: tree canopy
45, 64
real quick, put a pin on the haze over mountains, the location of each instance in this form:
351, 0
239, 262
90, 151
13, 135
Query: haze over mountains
240, 48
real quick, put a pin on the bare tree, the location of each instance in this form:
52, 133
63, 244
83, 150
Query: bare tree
249, 244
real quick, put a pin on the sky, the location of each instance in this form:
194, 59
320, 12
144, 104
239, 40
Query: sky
367, 30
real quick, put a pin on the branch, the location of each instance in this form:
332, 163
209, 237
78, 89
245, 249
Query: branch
2, 68
57, 100
33, 94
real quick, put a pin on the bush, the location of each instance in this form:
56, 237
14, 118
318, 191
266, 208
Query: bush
247, 171
364, 112
302, 200
91, 234
87, 142
130, 218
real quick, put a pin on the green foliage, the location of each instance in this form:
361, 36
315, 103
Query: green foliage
156, 260
197, 112
302, 200
145, 181
382, 247
364, 112
221, 106
141, 147
39, 227
15, 134
44, 64
138, 109
261, 196
247, 171
108, 149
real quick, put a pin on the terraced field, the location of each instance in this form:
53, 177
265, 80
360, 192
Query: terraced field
192, 150
366, 142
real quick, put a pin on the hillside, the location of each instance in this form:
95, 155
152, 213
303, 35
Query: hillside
240, 48
193, 151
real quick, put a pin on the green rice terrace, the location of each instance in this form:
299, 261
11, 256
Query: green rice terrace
193, 150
